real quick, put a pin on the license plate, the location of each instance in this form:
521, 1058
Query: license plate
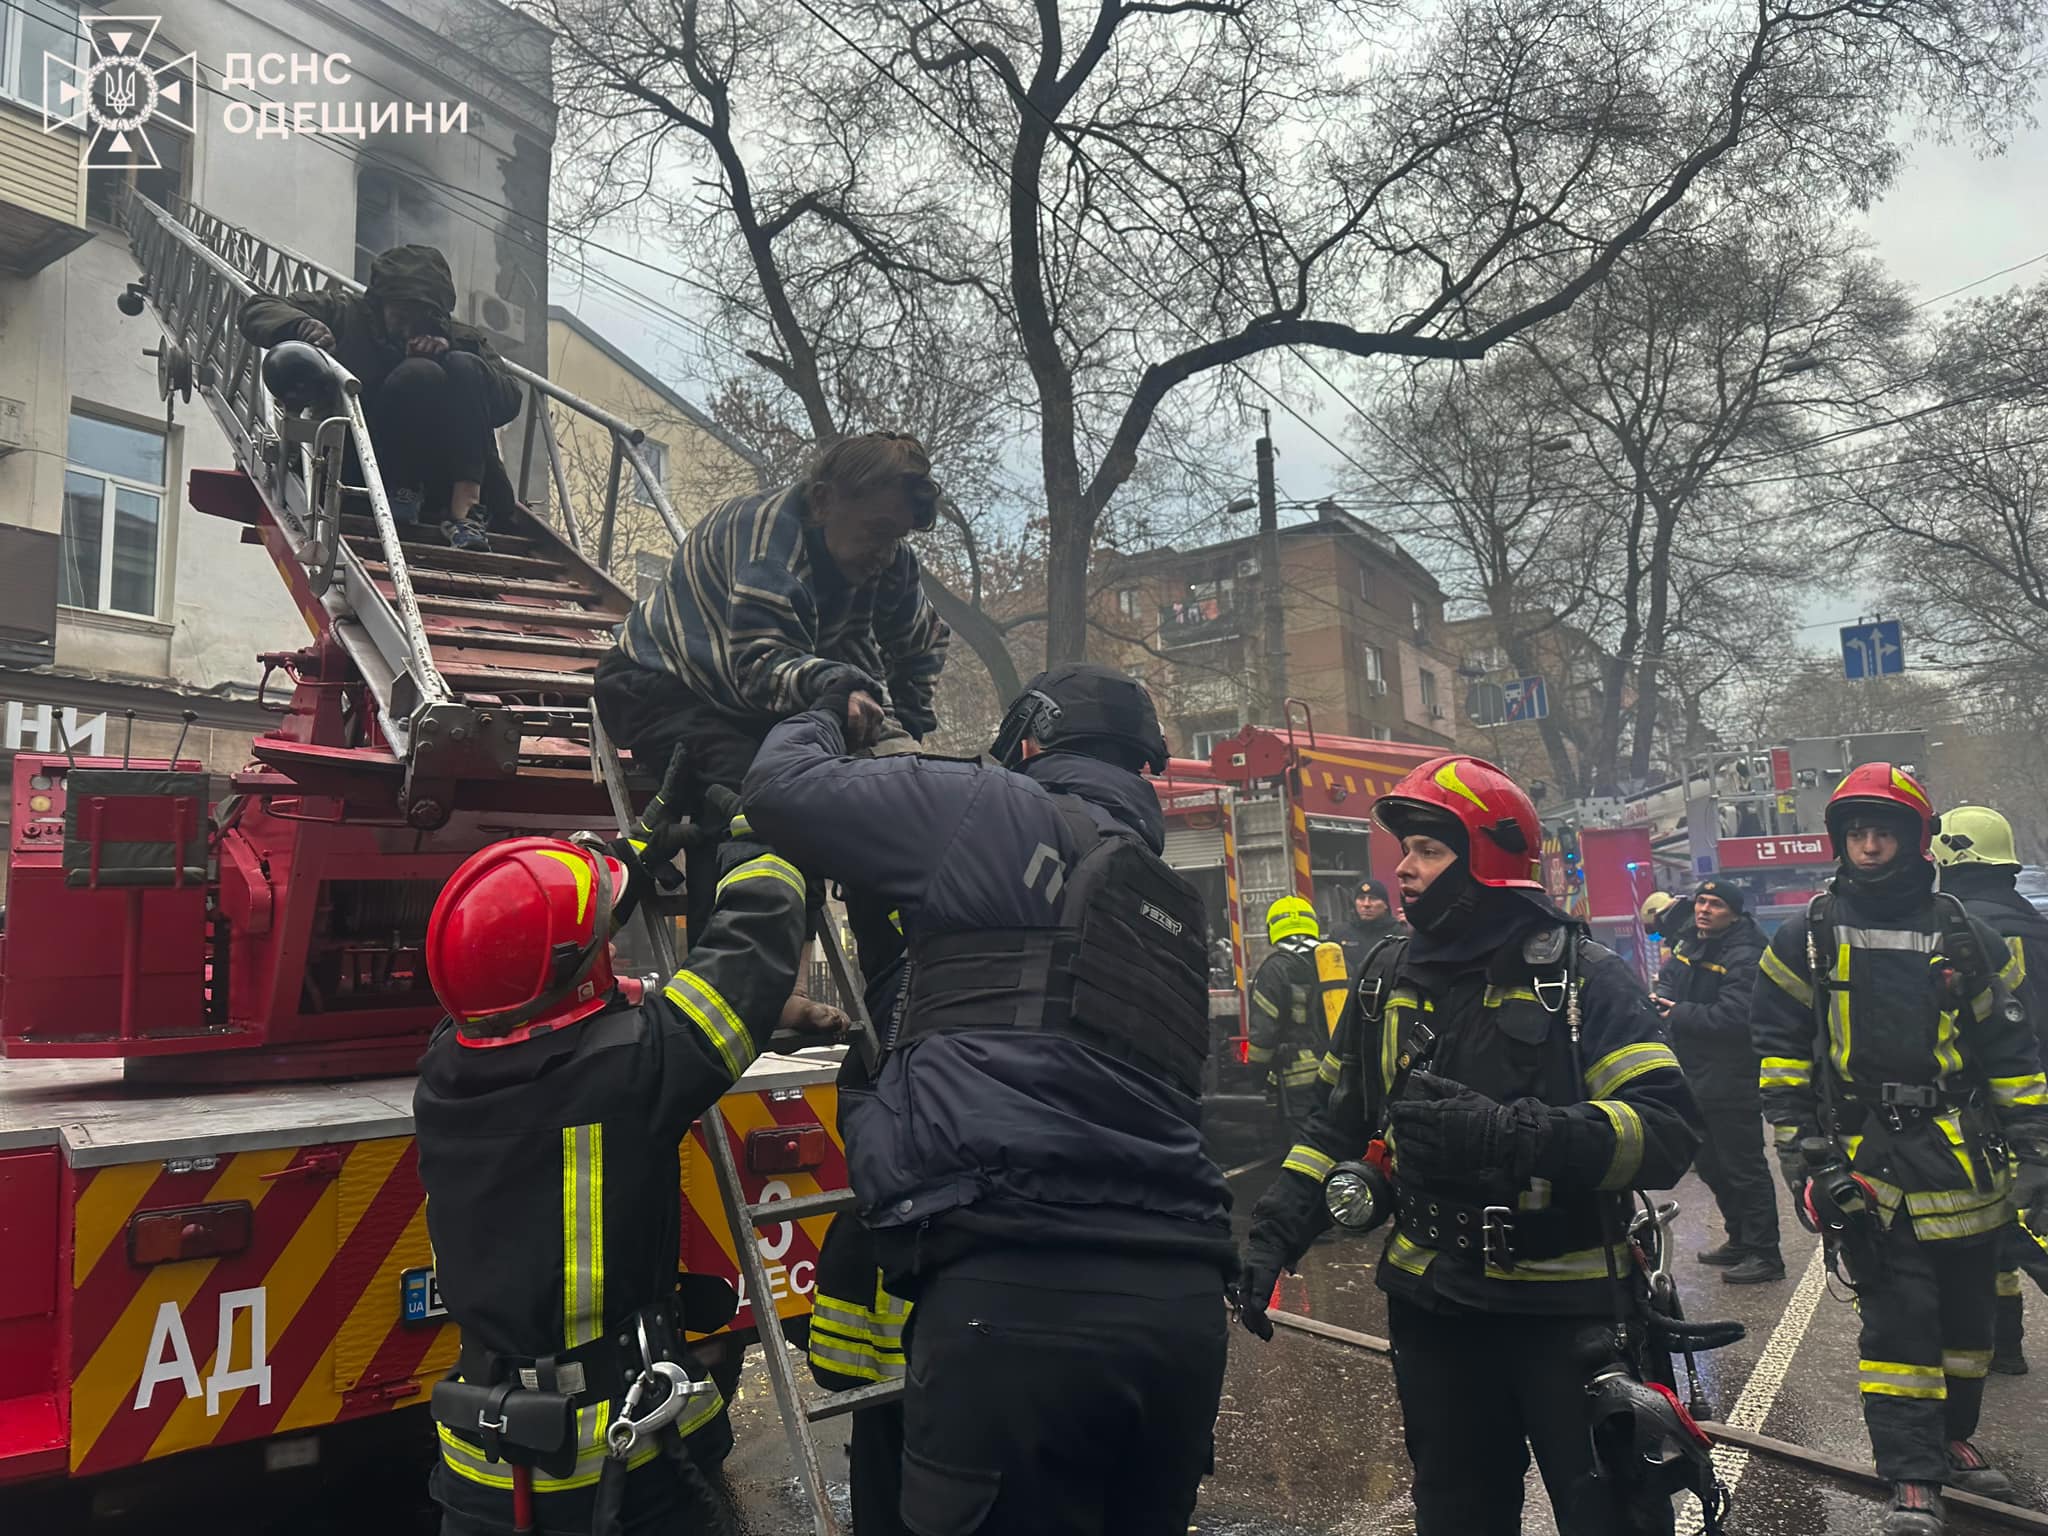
420, 1296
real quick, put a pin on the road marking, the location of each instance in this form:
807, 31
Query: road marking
1760, 1393
1257, 1162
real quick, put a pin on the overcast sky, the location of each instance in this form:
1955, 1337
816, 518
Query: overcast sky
1953, 218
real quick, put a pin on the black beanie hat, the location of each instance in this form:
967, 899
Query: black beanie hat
1730, 895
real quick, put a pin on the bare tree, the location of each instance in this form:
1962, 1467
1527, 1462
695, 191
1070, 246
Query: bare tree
1705, 353
1958, 498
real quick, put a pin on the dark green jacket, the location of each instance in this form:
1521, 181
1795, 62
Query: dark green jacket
416, 273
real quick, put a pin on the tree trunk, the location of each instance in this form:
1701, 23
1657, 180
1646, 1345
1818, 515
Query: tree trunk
982, 635
1066, 595
1649, 682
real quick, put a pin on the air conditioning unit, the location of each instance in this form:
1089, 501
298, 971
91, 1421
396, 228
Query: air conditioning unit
1375, 687
1436, 712
504, 320
1247, 568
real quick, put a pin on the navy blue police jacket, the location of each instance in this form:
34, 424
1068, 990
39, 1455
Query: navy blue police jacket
969, 1140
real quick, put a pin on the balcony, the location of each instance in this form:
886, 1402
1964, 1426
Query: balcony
1200, 621
42, 193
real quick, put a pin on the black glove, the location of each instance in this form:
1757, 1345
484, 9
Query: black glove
1445, 1131
2030, 1189
1792, 1163
1254, 1289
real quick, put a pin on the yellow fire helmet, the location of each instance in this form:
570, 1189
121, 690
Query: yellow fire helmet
1975, 834
1289, 916
1655, 905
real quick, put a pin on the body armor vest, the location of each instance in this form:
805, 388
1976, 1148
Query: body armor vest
1124, 969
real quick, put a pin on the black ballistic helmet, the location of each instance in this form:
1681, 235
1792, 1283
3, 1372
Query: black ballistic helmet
300, 377
1069, 708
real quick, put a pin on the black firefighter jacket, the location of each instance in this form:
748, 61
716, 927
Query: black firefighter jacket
1900, 1003
1625, 1120
552, 1170
1709, 981
1287, 1034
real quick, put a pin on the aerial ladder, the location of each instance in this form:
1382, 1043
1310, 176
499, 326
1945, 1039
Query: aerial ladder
445, 700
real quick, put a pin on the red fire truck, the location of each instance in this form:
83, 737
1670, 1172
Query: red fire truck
210, 996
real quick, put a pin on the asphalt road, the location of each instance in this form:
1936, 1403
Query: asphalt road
1309, 1437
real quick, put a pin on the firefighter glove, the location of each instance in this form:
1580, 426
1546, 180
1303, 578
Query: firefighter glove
1792, 1163
1446, 1131
2030, 1187
1255, 1282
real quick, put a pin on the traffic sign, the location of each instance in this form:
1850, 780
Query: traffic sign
1524, 699
1872, 650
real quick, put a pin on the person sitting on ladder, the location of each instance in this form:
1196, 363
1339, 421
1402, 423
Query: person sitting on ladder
433, 388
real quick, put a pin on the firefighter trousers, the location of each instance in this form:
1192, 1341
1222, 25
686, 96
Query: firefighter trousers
1051, 1409
1731, 1163
1925, 1346
1478, 1391
2019, 1251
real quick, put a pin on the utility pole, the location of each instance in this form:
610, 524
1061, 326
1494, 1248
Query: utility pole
1269, 580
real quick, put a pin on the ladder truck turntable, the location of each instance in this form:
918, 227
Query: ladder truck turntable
209, 1011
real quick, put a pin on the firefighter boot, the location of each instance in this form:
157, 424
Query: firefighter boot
1723, 1257
1969, 1471
1915, 1511
2006, 1356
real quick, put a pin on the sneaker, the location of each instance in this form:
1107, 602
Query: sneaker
463, 534
405, 506
1970, 1471
1915, 1510
1721, 1257
1756, 1269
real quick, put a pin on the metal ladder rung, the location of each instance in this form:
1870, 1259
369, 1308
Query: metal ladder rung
768, 1213
852, 1400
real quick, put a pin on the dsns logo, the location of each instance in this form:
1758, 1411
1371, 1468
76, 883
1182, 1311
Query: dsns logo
115, 96
1172, 925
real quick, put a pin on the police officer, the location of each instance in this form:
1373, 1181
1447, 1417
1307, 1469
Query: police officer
1979, 865
1372, 919
1704, 996
1510, 1143
1888, 1040
1287, 1033
550, 1107
1029, 1156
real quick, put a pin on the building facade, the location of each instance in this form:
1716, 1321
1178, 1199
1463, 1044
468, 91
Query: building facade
698, 463
1364, 623
117, 594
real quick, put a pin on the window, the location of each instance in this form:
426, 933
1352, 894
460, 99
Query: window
392, 209
113, 514
28, 34
1373, 661
1418, 614
1127, 602
160, 157
1429, 704
656, 456
1202, 743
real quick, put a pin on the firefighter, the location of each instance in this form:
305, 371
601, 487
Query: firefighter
1287, 1033
1897, 1069
1372, 919
550, 1106
1704, 996
1029, 1155
1512, 1145
1979, 864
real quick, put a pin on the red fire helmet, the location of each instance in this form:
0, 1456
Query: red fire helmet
1501, 829
1881, 784
515, 946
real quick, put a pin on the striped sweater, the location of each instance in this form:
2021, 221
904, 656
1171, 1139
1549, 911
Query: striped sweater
756, 620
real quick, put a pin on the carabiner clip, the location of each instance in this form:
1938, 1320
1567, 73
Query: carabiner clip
627, 1432
1546, 990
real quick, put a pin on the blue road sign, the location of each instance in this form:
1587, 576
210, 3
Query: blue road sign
1872, 650
1525, 699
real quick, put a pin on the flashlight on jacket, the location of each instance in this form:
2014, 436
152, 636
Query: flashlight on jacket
1360, 1196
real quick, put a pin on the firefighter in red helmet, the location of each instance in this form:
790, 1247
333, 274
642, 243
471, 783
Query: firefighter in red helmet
1512, 1146
550, 1106
1897, 1069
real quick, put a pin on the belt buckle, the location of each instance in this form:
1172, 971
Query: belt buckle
1546, 990
1497, 1232
1907, 1095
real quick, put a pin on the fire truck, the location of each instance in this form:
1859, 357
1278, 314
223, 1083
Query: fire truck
1270, 813
210, 1002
